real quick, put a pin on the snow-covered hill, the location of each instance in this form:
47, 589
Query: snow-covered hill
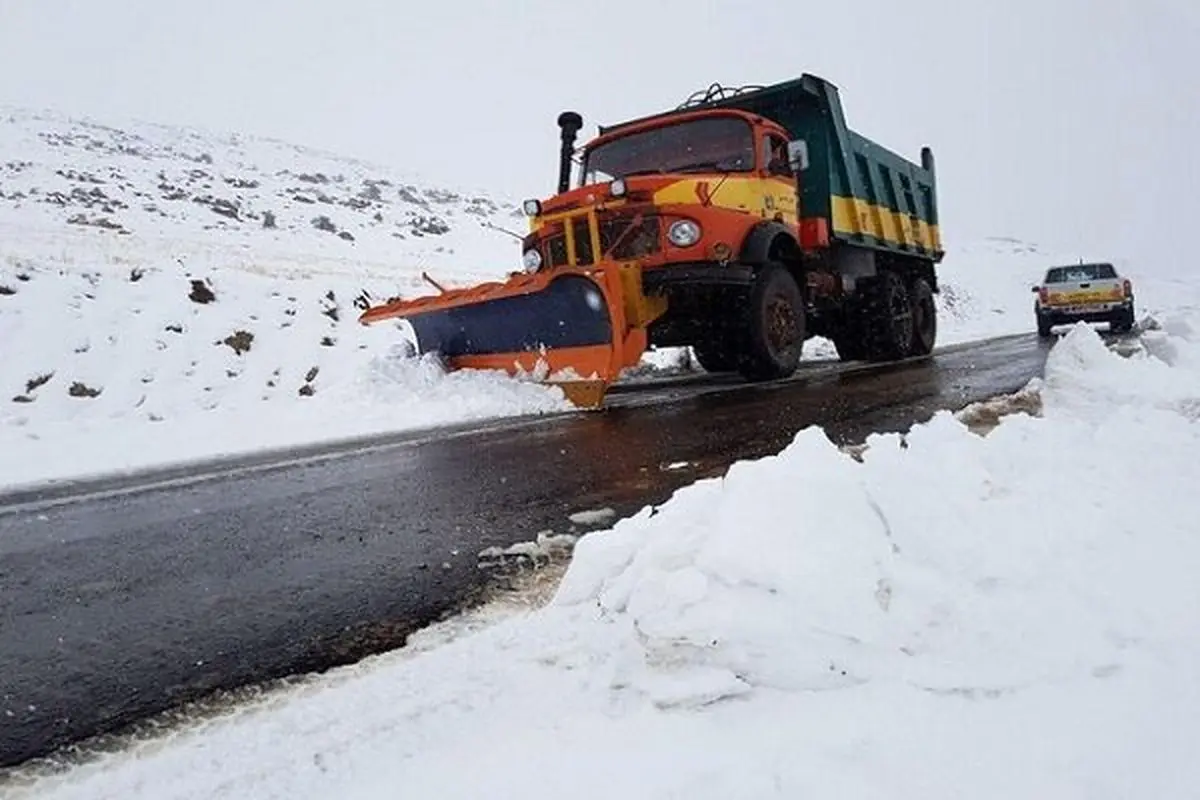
168, 294
235, 201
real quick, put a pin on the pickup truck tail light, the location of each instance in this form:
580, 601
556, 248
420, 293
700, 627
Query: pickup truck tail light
1044, 295
1127, 287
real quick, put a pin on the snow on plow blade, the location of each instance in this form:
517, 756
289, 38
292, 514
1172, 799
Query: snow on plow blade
576, 329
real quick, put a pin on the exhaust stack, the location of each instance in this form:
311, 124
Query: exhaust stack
570, 123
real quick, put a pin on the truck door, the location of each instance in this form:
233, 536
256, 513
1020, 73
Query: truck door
781, 199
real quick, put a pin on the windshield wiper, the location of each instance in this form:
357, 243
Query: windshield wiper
719, 166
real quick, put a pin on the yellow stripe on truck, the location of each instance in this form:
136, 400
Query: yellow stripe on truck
855, 216
763, 197
1084, 298
769, 198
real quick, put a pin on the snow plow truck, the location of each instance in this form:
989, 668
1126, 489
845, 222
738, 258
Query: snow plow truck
738, 224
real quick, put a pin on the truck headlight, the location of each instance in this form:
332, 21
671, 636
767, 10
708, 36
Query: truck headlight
532, 260
684, 233
617, 187
532, 207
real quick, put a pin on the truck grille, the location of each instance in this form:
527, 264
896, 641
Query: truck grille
634, 238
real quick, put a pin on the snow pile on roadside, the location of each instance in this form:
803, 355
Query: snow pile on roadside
953, 615
168, 294
940, 561
1163, 374
117, 370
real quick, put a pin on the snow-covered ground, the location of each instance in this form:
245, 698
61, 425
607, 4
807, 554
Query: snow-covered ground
973, 609
169, 294
940, 615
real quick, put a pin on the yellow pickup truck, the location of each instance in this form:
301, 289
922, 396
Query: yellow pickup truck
1084, 293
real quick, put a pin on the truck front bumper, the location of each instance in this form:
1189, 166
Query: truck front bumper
696, 273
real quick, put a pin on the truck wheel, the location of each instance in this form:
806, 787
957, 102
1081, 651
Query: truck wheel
887, 318
773, 326
924, 315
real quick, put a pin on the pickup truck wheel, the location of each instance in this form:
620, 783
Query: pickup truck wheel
1045, 329
924, 316
773, 326
1123, 323
887, 318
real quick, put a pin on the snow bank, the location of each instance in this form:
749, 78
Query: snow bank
169, 294
939, 560
148, 366
950, 616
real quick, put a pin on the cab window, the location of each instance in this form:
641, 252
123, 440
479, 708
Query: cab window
775, 157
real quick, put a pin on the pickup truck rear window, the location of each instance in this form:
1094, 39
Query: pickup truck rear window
1082, 272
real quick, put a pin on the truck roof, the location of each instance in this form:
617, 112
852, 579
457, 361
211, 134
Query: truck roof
670, 118
717, 96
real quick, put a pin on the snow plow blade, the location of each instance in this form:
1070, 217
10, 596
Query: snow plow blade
573, 328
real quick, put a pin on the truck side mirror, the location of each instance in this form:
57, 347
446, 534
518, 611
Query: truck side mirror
798, 155
1034, 289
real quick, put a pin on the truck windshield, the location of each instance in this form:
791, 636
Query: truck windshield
711, 144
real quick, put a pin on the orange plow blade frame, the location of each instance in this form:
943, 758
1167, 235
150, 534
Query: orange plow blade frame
573, 328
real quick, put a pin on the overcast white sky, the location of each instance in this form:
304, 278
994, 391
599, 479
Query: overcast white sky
1070, 122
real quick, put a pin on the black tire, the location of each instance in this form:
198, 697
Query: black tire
715, 357
1123, 322
1044, 328
773, 326
886, 317
924, 315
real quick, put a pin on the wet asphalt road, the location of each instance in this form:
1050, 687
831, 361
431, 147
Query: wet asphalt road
140, 594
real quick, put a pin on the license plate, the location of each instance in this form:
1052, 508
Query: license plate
1086, 309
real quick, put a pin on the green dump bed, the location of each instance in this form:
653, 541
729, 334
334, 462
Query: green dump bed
870, 196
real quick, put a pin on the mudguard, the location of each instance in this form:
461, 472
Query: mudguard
757, 247
574, 328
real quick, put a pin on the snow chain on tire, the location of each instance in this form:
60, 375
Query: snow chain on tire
924, 325
886, 318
